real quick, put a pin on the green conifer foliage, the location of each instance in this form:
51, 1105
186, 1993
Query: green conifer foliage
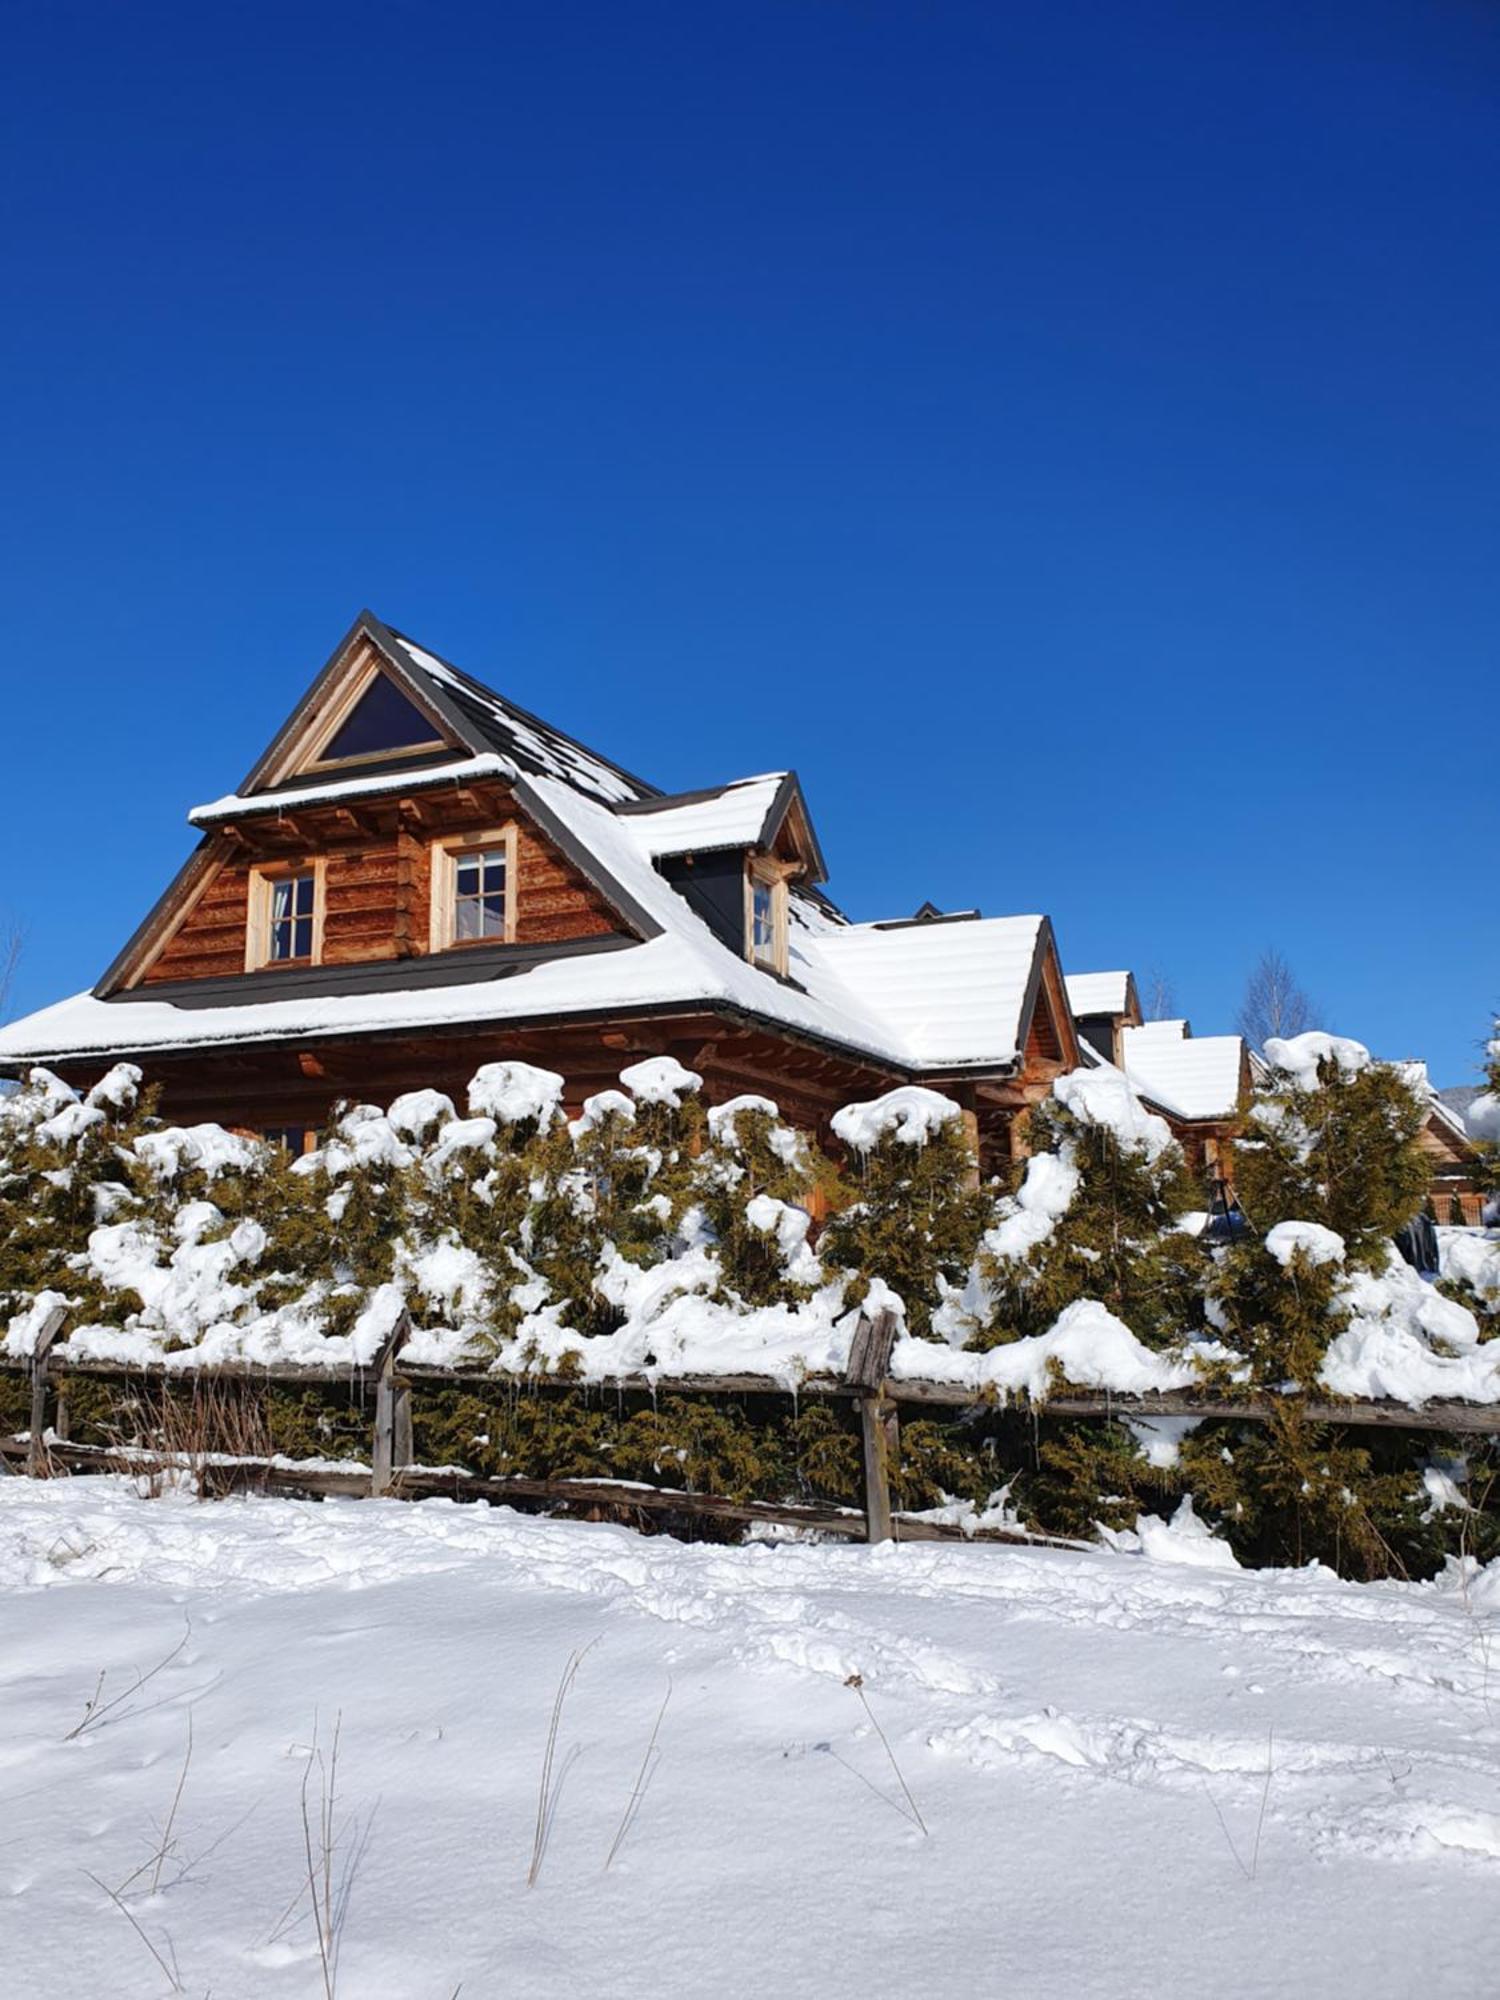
1115, 1240
67, 1165
478, 1179
917, 1214
754, 1182
334, 1218
1334, 1139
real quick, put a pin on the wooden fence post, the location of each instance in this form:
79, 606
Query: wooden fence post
41, 1365
392, 1442
869, 1360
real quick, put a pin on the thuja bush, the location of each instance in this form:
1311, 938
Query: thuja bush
917, 1212
1095, 1216
68, 1165
753, 1184
738, 1449
516, 1234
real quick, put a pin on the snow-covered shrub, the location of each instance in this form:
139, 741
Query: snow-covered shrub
1333, 1140
754, 1185
917, 1214
1096, 1216
68, 1163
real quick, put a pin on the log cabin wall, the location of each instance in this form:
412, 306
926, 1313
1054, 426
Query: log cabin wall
378, 886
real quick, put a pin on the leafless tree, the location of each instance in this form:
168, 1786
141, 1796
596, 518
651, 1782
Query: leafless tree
10, 959
1274, 1004
1159, 1002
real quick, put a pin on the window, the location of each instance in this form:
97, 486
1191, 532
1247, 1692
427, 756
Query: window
474, 890
294, 1139
765, 914
380, 723
291, 919
285, 917
479, 880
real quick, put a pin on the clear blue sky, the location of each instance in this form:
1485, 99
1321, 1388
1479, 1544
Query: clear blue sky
1068, 434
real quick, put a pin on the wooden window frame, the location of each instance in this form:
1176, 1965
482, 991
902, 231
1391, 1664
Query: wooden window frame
774, 874
359, 686
445, 853
263, 876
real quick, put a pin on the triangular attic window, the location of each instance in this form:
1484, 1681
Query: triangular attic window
381, 723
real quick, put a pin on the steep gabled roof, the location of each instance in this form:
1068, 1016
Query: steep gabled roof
475, 720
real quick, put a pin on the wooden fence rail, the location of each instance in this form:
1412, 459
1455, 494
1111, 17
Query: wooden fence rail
866, 1383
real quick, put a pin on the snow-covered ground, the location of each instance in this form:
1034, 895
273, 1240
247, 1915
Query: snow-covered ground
1087, 1737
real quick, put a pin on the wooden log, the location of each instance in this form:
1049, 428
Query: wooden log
878, 1424
1473, 1419
392, 1436
869, 1359
41, 1363
618, 1495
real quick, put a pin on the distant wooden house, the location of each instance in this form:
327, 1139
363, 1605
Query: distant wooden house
1457, 1189
417, 876
1196, 1082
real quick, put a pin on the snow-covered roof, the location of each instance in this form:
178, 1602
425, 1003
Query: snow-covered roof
702, 822
1420, 1083
1187, 1076
955, 993
1098, 993
535, 745
914, 996
369, 784
507, 729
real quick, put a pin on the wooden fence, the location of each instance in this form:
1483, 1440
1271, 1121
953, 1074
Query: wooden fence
866, 1383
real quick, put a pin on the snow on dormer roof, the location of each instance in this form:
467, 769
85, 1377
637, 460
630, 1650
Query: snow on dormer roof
1098, 993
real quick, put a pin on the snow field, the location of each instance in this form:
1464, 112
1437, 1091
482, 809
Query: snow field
1088, 1739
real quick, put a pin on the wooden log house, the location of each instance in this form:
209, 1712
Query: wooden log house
1197, 1083
417, 877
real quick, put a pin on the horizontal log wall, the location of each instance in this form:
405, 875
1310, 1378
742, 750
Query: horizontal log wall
378, 894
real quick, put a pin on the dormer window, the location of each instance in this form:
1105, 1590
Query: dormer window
381, 723
285, 919
765, 914
474, 890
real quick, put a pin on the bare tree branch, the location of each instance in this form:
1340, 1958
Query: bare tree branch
1161, 1001
1274, 1004
11, 940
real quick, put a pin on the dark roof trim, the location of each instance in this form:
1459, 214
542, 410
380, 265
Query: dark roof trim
180, 885
462, 967
637, 1011
389, 633
920, 922
1046, 944
587, 863
788, 793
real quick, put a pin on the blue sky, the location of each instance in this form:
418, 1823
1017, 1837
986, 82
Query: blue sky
1067, 434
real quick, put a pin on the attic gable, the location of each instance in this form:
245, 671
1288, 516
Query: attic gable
378, 683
